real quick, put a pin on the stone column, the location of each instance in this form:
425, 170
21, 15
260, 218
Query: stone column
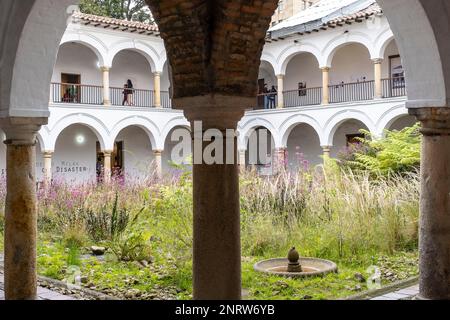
325, 85
434, 234
21, 208
157, 86
106, 93
280, 79
48, 168
107, 166
242, 156
326, 151
158, 163
279, 160
217, 247
377, 77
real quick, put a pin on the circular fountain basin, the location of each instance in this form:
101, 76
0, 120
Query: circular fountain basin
312, 267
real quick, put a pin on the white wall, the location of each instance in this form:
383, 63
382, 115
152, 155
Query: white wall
138, 154
350, 63
132, 65
303, 68
391, 50
74, 162
303, 145
78, 59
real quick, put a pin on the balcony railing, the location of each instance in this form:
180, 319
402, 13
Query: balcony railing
266, 101
303, 97
166, 102
136, 97
395, 87
347, 92
76, 93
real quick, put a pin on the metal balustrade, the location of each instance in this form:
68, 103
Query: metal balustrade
76, 93
166, 102
395, 87
302, 97
348, 92
136, 97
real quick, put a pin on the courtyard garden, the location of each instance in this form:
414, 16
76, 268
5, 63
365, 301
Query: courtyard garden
134, 240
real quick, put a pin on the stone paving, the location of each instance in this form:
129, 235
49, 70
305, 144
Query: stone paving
43, 293
402, 294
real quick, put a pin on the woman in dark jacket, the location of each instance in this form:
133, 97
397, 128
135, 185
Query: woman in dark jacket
130, 92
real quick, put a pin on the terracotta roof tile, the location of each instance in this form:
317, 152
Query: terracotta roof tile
363, 14
124, 25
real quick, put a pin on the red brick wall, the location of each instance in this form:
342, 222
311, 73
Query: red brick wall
213, 46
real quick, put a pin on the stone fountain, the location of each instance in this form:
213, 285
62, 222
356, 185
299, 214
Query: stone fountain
296, 267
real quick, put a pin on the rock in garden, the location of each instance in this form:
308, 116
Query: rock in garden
359, 277
98, 251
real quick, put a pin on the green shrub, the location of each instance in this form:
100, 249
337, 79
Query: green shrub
106, 224
397, 152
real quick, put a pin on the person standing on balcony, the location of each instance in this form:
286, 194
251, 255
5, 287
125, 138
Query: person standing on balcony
272, 97
125, 95
130, 92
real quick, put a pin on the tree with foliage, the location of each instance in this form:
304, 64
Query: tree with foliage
397, 152
131, 10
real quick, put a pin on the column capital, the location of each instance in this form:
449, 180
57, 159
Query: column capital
377, 61
105, 69
215, 110
325, 69
48, 154
21, 131
326, 148
435, 121
107, 152
158, 152
280, 76
157, 73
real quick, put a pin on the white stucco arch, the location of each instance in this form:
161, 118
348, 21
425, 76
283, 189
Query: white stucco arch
271, 60
389, 117
96, 125
293, 121
172, 124
150, 128
30, 34
245, 130
340, 117
421, 30
146, 50
90, 41
340, 41
382, 42
290, 52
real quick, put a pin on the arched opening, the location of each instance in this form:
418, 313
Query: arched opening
351, 74
402, 123
165, 87
76, 76
392, 72
303, 148
260, 151
132, 65
133, 156
267, 81
177, 155
303, 81
346, 136
77, 156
